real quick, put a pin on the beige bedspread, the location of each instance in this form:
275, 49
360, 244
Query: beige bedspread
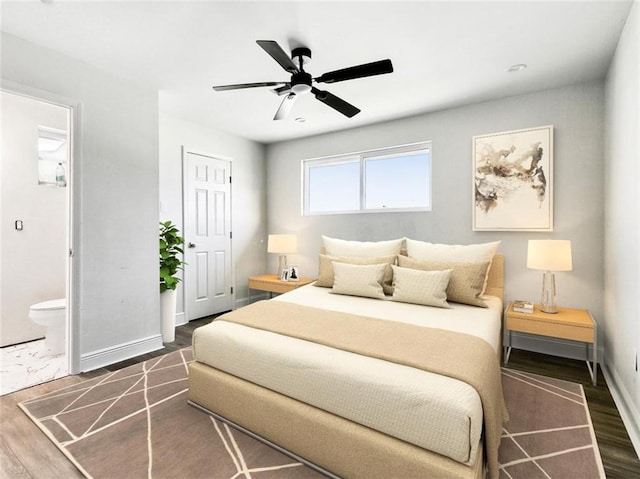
472, 360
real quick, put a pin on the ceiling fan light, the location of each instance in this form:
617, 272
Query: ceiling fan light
301, 88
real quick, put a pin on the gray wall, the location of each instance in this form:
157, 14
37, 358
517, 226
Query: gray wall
577, 115
115, 200
622, 224
248, 192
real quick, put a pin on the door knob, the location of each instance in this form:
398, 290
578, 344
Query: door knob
191, 245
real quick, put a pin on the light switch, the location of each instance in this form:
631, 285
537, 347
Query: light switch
19, 225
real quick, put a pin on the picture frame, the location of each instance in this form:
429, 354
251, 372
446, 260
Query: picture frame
294, 274
284, 276
513, 180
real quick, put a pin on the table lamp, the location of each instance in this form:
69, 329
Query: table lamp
549, 255
282, 245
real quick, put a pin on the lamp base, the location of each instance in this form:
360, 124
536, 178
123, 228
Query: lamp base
282, 265
548, 303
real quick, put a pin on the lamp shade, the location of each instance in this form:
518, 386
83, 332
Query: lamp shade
549, 255
282, 244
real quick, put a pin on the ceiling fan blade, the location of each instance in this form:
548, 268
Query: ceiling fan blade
347, 109
240, 86
278, 54
359, 71
285, 106
283, 90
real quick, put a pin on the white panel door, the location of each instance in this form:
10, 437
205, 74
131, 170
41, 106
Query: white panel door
207, 234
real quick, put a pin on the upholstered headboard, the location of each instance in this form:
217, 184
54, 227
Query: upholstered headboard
495, 281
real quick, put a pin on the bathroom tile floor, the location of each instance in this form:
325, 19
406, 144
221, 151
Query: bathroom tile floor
28, 364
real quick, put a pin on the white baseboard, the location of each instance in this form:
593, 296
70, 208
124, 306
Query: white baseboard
181, 318
105, 357
240, 303
245, 301
628, 412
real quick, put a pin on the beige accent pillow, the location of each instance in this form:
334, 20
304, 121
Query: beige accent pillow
339, 247
326, 275
359, 280
471, 253
421, 287
467, 279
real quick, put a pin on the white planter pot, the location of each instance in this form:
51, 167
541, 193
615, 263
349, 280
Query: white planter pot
168, 315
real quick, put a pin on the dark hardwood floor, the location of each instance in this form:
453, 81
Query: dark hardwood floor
618, 455
26, 453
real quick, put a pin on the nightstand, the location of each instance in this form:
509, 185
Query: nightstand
567, 323
272, 284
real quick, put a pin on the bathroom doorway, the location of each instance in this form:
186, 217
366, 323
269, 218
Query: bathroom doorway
35, 240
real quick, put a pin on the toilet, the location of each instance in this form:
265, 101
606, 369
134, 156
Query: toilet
51, 314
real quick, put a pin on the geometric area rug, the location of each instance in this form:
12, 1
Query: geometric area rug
549, 433
136, 423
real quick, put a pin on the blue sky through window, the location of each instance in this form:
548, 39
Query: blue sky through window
393, 179
334, 187
397, 182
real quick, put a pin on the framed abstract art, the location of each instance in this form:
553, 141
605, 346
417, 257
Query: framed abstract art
513, 180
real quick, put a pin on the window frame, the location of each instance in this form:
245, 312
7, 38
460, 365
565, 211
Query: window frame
362, 157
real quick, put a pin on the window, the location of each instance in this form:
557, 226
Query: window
52, 151
389, 179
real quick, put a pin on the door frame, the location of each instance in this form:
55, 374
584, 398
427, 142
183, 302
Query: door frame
72, 320
184, 152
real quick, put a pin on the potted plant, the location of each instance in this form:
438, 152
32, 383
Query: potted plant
170, 247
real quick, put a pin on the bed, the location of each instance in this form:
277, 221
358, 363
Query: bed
314, 383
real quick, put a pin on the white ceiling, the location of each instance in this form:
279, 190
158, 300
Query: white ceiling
444, 53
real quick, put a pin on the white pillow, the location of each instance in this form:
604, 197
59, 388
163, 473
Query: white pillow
421, 287
358, 280
472, 253
339, 247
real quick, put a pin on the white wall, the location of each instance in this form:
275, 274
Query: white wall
622, 223
34, 259
248, 200
577, 115
115, 200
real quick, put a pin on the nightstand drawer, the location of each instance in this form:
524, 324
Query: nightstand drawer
272, 284
551, 328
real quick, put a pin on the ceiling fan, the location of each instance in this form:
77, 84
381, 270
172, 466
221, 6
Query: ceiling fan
301, 82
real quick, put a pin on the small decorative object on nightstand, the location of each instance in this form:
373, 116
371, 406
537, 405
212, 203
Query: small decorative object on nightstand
566, 323
523, 306
273, 284
293, 274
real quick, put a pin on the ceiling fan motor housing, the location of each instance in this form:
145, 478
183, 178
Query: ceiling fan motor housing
301, 82
301, 56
